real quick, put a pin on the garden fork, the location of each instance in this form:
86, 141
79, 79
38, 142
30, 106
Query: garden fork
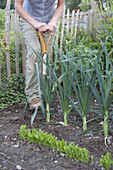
44, 54
44, 51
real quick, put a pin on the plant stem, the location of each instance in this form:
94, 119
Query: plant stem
105, 124
84, 123
48, 114
65, 118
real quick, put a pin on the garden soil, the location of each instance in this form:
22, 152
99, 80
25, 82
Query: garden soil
16, 153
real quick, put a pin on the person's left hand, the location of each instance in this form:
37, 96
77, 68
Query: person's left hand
52, 26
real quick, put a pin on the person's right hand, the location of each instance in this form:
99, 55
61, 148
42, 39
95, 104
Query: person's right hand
42, 27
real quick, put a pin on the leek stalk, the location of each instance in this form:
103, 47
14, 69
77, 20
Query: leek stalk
105, 124
84, 123
65, 118
48, 114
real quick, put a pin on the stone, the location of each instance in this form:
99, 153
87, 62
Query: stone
62, 154
16, 146
18, 167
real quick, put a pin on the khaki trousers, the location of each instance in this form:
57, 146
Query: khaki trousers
30, 35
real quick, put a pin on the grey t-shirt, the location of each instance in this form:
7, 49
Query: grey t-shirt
41, 10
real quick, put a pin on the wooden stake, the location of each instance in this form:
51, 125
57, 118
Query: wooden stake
7, 32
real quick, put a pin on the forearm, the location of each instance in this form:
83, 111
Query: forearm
24, 14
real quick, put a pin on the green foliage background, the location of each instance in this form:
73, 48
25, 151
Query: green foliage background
2, 19
3, 4
13, 92
83, 5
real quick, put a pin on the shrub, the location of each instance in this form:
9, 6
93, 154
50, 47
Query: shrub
2, 19
12, 92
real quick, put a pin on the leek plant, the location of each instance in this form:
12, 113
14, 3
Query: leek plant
63, 93
105, 83
82, 90
77, 83
83, 94
37, 65
46, 86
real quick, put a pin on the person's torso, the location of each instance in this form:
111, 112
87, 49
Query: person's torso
41, 10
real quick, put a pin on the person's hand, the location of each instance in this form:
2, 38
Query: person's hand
52, 26
42, 27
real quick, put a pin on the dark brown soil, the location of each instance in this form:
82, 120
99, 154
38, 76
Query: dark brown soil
20, 154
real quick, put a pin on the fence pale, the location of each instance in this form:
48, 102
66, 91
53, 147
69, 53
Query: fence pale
7, 26
17, 42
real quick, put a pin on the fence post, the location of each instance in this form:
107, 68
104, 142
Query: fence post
7, 32
94, 18
89, 21
72, 22
57, 32
62, 31
80, 20
24, 53
85, 23
17, 42
68, 21
12, 20
76, 24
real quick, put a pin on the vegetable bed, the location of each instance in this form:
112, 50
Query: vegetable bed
18, 153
